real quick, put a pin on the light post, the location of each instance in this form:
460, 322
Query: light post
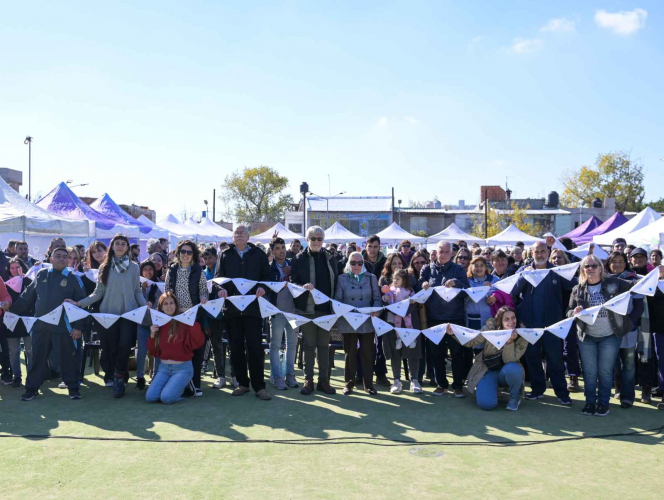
327, 200
206, 207
28, 141
399, 202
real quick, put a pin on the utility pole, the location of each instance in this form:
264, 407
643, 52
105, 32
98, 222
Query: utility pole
486, 213
28, 141
214, 203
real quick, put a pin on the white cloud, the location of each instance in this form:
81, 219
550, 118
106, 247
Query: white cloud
382, 121
411, 120
623, 22
526, 46
558, 25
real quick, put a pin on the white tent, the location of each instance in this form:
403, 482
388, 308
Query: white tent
453, 233
393, 235
200, 232
641, 220
177, 230
337, 233
157, 232
510, 235
286, 234
221, 233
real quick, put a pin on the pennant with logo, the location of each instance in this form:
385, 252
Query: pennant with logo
589, 315
355, 320
75, 313
446, 293
267, 308
52, 318
28, 322
296, 290
243, 286
241, 302
137, 315
326, 322
214, 307
399, 308
477, 293
536, 276
319, 297
436, 333
619, 304
159, 318
561, 329
16, 283
507, 285
422, 296
381, 327
92, 275
463, 334
532, 335
648, 285
188, 317
498, 338
340, 308
10, 320
105, 320
567, 271
296, 320
408, 336
275, 286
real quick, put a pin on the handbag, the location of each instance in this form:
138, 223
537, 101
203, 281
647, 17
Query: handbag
494, 362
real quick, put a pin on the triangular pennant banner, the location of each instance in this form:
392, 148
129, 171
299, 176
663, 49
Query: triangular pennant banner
446, 293
32, 272
340, 308
326, 322
567, 271
209, 284
213, 307
189, 316
243, 286
267, 308
497, 337
399, 308
648, 285
296, 320
159, 318
10, 320
463, 334
536, 276
75, 313
422, 296
355, 320
319, 297
241, 301
106, 320
137, 315
436, 333
619, 304
532, 335
660, 285
589, 315
296, 290
275, 286
15, 283
408, 336
368, 310
506, 285
92, 275
28, 322
381, 327
561, 329
52, 318
477, 293
221, 281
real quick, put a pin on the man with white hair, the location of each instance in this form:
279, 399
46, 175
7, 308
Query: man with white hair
444, 272
538, 307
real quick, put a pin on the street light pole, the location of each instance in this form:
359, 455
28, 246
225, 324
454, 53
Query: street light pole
28, 141
327, 200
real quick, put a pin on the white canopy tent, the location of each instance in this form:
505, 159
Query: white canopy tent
337, 233
177, 230
393, 235
641, 220
202, 234
286, 234
157, 232
648, 235
510, 236
221, 233
453, 233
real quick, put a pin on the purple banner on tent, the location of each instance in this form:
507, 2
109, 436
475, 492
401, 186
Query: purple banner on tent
584, 228
106, 206
615, 221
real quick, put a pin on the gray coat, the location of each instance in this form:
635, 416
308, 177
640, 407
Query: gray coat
363, 294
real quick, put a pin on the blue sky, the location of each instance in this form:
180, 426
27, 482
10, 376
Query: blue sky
155, 102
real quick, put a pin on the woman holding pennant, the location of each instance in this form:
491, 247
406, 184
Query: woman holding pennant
119, 290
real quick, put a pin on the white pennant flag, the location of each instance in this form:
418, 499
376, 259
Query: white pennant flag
660, 285
159, 318
319, 297
296, 290
648, 285
561, 329
536, 276
243, 286
188, 317
275, 286
477, 293
381, 327
28, 322
619, 304
422, 296
589, 315
209, 284
436, 333
137, 315
557, 245
399, 308
408, 336
16, 283
463, 334
326, 322
92, 275
340, 308
532, 335
368, 310
214, 307
507, 285
567, 271
32, 272
497, 337
241, 301
221, 281
584, 250
106, 320
267, 308
10, 320
52, 318
446, 293
295, 320
355, 320
75, 313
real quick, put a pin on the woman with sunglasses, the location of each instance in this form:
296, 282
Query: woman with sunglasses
599, 343
463, 258
406, 252
186, 279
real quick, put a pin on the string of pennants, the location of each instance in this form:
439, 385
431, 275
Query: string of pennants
358, 316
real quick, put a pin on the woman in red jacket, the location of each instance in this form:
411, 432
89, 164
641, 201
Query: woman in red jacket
174, 344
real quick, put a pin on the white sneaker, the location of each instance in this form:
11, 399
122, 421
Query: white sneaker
221, 382
235, 382
62, 385
415, 387
198, 393
396, 387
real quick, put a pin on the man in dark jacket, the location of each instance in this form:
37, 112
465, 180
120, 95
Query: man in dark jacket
538, 307
315, 268
444, 272
47, 292
244, 260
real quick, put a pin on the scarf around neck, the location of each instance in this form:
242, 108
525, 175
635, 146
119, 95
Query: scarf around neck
120, 265
356, 277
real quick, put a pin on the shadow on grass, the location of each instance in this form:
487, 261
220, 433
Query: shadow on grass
290, 415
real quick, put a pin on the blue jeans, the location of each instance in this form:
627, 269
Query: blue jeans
168, 384
626, 369
486, 391
15, 354
598, 358
143, 333
279, 323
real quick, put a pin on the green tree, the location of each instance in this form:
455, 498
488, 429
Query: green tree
657, 206
614, 175
255, 195
497, 221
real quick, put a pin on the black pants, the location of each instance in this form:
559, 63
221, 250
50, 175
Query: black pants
245, 340
456, 353
4, 357
70, 366
217, 329
366, 353
117, 343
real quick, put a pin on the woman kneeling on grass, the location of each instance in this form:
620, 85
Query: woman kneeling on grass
495, 367
174, 344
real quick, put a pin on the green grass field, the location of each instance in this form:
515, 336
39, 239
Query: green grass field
535, 455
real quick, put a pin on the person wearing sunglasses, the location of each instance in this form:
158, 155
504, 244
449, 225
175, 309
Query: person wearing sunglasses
406, 251
599, 343
463, 258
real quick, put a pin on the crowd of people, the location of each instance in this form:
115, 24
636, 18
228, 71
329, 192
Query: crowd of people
611, 356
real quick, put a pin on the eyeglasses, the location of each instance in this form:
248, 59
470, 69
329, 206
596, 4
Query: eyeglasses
313, 238
462, 257
356, 262
405, 246
186, 252
591, 266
